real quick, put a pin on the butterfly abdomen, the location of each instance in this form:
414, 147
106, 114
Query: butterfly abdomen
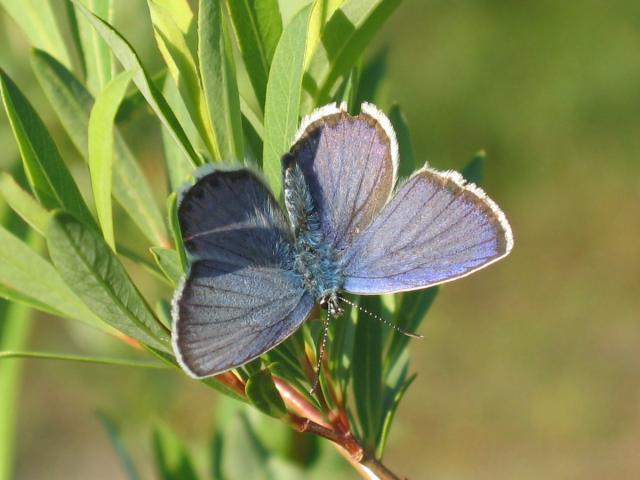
315, 259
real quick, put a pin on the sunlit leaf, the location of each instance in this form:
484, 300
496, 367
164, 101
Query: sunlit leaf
38, 21
72, 102
258, 26
23, 204
283, 96
344, 38
95, 53
47, 174
130, 61
101, 150
218, 72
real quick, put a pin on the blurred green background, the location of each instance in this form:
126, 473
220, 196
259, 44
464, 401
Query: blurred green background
528, 370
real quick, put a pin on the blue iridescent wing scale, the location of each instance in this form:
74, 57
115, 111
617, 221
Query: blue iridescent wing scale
239, 299
435, 229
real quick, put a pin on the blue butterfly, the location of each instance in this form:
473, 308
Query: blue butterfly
257, 271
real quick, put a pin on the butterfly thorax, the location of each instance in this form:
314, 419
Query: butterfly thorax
314, 258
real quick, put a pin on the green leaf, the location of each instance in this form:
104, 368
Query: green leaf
37, 20
219, 84
341, 347
169, 263
66, 357
48, 175
367, 371
373, 73
23, 204
321, 13
258, 26
171, 458
90, 268
28, 278
345, 36
395, 396
95, 53
174, 226
408, 161
179, 167
130, 61
15, 323
101, 150
408, 316
474, 171
73, 104
175, 33
283, 96
118, 445
264, 395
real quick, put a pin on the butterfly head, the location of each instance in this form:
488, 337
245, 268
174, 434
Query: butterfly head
331, 303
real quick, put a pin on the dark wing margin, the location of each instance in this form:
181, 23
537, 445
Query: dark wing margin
435, 229
350, 165
239, 299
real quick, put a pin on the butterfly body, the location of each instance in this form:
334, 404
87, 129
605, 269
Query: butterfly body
257, 269
314, 258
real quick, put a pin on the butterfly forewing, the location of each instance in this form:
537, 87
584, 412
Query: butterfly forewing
350, 165
435, 229
239, 298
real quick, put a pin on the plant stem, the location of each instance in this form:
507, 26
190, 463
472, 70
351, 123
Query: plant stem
309, 419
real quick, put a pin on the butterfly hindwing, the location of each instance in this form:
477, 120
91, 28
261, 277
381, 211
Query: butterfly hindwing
436, 228
239, 298
350, 166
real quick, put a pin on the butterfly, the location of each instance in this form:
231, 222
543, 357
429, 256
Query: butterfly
257, 270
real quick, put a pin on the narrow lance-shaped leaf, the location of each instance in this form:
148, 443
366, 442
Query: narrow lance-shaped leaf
367, 371
217, 69
178, 166
101, 150
130, 61
174, 226
92, 271
175, 33
23, 204
321, 13
95, 53
258, 26
37, 20
48, 175
26, 277
344, 38
283, 96
72, 102
264, 395
169, 263
408, 161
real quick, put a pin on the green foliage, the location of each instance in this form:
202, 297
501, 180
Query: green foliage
101, 150
208, 114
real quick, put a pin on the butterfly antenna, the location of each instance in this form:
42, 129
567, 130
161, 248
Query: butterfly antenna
321, 352
383, 320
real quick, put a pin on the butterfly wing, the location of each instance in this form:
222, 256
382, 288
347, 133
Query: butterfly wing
350, 166
239, 299
435, 229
